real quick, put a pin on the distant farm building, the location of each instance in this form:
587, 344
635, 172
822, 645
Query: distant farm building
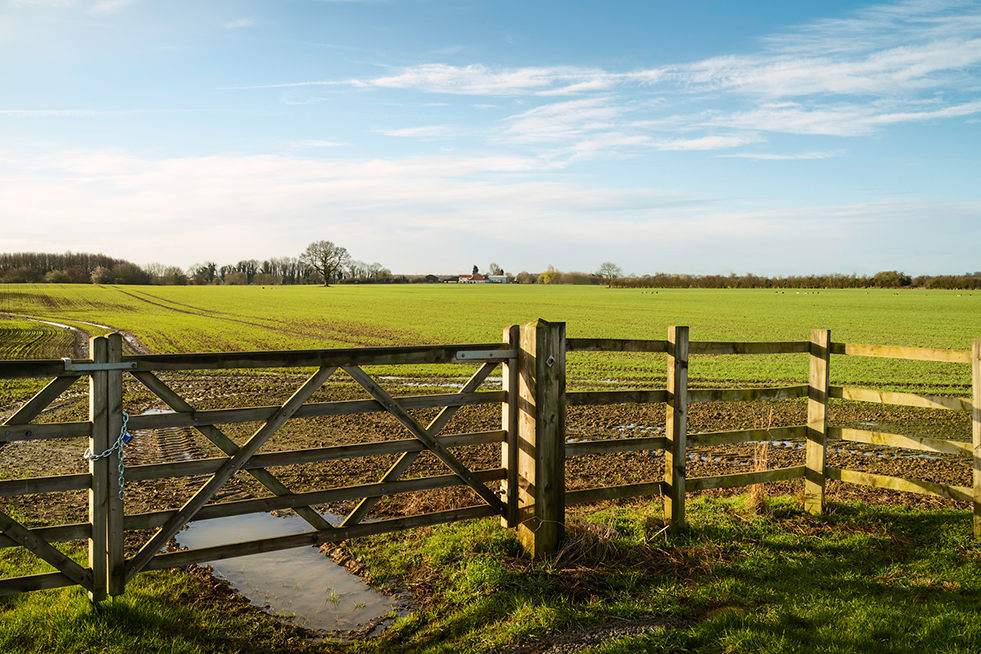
484, 279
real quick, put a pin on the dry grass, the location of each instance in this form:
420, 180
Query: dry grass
756, 498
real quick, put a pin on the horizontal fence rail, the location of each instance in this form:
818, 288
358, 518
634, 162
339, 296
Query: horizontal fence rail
815, 434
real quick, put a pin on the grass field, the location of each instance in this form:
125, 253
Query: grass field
211, 319
860, 579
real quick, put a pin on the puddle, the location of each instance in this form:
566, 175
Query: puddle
407, 382
300, 585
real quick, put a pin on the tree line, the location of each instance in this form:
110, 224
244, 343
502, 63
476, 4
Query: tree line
884, 279
86, 268
311, 267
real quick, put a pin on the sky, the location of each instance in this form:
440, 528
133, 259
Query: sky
698, 137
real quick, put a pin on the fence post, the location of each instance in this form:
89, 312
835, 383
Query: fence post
676, 427
509, 423
817, 420
976, 430
98, 468
540, 447
115, 537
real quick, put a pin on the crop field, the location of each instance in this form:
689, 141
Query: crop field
162, 319
211, 319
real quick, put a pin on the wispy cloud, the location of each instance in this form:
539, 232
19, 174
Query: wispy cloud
389, 210
481, 80
109, 6
705, 143
912, 62
238, 24
68, 113
316, 144
562, 121
426, 132
770, 156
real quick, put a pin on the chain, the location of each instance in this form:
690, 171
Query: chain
124, 437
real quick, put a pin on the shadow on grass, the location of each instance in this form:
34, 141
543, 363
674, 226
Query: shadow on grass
858, 579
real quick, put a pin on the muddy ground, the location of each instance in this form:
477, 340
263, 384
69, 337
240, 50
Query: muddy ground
46, 458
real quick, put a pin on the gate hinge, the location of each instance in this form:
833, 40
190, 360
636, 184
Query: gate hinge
71, 366
485, 355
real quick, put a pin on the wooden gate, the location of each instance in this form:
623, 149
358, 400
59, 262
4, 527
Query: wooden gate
109, 569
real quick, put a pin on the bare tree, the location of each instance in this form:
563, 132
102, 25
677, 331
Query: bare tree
326, 258
495, 269
610, 272
102, 275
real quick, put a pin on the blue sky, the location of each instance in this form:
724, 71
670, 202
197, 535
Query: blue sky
699, 137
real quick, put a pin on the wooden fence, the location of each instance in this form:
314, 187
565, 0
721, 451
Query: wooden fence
533, 399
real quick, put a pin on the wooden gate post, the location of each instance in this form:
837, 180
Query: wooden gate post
115, 553
976, 430
509, 423
541, 437
817, 420
99, 469
676, 429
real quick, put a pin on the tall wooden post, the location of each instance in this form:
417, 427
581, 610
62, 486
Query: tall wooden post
541, 437
509, 423
817, 420
114, 525
98, 468
976, 430
676, 427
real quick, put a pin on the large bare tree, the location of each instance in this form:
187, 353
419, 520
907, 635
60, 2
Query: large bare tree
326, 258
610, 272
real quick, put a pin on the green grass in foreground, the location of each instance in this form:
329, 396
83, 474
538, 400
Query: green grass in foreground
860, 579
164, 611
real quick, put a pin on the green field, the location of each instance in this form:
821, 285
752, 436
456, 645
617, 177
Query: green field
170, 319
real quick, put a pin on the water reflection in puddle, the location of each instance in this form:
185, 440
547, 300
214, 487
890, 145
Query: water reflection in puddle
299, 584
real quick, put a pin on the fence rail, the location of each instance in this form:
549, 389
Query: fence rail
533, 400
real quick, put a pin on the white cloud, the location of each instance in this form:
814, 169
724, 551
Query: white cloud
832, 120
240, 23
109, 6
770, 156
226, 208
316, 144
911, 62
705, 143
561, 121
480, 80
426, 132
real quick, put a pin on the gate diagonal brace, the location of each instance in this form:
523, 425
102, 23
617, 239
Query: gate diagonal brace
407, 459
228, 446
234, 464
417, 430
45, 551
